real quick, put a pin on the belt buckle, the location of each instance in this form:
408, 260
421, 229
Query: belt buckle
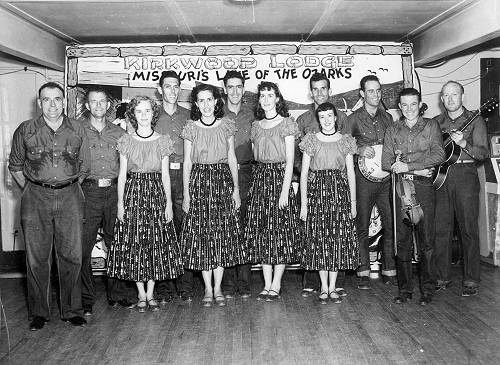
239, 166
175, 165
408, 177
104, 183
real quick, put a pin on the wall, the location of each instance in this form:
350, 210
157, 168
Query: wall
465, 69
18, 90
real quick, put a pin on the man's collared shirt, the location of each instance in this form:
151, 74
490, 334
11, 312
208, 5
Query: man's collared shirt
368, 130
309, 124
47, 156
475, 134
242, 143
420, 147
104, 157
173, 125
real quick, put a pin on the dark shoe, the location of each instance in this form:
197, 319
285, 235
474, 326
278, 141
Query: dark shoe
443, 284
220, 300
153, 305
125, 303
306, 293
390, 280
37, 323
275, 296
76, 321
425, 299
229, 295
469, 291
166, 300
335, 297
87, 310
263, 295
341, 292
402, 298
245, 295
186, 297
113, 303
364, 283
323, 297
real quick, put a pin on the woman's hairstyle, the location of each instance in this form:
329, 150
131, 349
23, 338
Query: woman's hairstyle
323, 108
219, 104
281, 107
133, 104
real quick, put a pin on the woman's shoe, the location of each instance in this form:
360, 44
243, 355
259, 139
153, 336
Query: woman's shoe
207, 301
323, 297
273, 297
153, 305
220, 300
263, 295
335, 297
141, 306
341, 292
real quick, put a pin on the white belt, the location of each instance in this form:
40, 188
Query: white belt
175, 165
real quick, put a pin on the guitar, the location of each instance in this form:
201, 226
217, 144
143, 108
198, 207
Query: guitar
452, 150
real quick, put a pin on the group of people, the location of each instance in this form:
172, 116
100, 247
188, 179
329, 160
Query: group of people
210, 189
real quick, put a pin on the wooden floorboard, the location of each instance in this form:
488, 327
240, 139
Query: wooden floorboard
366, 328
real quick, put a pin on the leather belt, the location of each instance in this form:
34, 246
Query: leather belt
101, 183
54, 187
413, 177
175, 165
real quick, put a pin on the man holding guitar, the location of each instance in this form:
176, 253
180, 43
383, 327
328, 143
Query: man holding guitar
459, 194
368, 125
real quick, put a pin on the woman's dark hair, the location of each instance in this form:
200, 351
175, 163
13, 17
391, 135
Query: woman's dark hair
281, 107
219, 104
133, 104
323, 108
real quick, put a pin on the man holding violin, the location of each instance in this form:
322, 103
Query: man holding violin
368, 125
459, 195
412, 147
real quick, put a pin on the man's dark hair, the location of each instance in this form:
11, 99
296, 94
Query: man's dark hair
171, 74
121, 109
50, 85
318, 76
410, 91
219, 104
367, 78
233, 74
95, 89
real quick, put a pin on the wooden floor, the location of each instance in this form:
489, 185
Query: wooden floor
367, 328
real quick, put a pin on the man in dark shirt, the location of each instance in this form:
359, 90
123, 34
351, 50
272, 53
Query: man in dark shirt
368, 125
172, 120
237, 279
459, 195
48, 158
412, 147
319, 85
101, 197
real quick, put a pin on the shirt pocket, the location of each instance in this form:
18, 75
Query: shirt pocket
35, 153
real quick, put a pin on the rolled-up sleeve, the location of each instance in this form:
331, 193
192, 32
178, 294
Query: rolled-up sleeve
18, 151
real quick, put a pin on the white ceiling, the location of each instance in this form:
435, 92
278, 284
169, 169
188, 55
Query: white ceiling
232, 20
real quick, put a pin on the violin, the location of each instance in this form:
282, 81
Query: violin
410, 208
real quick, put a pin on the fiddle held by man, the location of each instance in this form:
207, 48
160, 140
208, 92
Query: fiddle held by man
412, 147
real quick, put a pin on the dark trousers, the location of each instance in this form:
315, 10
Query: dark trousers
53, 220
368, 194
458, 197
238, 278
100, 211
185, 282
424, 241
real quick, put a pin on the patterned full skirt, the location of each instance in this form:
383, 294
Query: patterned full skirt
273, 235
330, 241
145, 246
211, 233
